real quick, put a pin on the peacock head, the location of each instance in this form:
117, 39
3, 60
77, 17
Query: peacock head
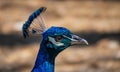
55, 38
60, 38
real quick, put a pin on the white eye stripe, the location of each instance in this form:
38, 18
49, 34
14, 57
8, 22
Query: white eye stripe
69, 38
51, 39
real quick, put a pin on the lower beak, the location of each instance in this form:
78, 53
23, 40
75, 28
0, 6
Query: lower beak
76, 40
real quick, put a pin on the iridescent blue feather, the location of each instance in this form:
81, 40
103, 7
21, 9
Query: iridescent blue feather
55, 40
30, 20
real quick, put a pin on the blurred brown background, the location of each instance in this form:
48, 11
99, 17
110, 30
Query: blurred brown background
98, 21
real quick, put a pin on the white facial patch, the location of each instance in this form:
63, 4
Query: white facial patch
70, 38
51, 39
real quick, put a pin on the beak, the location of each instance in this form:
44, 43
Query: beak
76, 40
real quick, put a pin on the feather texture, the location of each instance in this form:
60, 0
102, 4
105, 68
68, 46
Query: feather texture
35, 23
55, 40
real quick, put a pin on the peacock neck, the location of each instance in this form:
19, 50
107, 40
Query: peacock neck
45, 60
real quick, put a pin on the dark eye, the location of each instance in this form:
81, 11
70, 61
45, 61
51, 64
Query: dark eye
58, 38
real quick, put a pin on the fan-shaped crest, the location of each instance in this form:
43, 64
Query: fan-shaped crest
35, 23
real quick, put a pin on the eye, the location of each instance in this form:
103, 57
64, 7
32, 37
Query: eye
58, 38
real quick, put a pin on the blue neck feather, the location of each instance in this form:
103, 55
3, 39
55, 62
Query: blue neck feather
45, 59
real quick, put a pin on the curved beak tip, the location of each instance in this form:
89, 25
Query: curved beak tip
85, 41
78, 40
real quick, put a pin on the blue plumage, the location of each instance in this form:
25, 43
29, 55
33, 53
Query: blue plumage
48, 51
30, 20
55, 40
35, 14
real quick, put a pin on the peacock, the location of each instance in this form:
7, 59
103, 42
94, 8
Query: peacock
55, 39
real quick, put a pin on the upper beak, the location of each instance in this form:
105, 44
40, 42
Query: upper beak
78, 40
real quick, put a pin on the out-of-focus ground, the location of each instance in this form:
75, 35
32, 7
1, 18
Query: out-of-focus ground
96, 21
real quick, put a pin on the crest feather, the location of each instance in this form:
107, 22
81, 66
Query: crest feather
35, 23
